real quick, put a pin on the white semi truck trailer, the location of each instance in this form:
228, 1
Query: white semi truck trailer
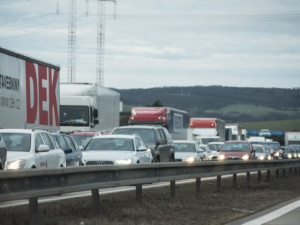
29, 92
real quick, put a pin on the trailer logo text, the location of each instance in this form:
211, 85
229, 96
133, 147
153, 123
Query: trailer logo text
41, 99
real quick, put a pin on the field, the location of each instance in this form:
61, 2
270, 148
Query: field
285, 125
210, 207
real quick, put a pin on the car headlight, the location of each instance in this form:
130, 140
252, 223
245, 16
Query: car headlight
16, 165
261, 157
269, 157
245, 157
221, 157
289, 155
276, 154
124, 161
298, 155
190, 159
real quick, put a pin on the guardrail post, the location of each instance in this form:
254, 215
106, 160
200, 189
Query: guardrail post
198, 185
248, 179
172, 188
283, 172
96, 202
234, 180
139, 193
259, 176
33, 211
268, 175
219, 183
277, 174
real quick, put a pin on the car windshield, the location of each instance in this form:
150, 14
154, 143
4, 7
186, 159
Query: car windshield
185, 147
214, 147
205, 141
82, 140
235, 147
108, 144
17, 141
146, 134
258, 149
274, 146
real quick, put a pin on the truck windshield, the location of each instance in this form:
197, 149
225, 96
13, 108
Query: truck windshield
74, 115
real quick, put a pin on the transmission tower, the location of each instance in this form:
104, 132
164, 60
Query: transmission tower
72, 41
100, 40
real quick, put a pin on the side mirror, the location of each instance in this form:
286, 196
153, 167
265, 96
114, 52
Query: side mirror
95, 113
218, 150
43, 148
67, 150
142, 149
96, 121
161, 142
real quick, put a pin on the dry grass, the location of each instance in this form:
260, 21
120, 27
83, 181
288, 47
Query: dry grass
209, 207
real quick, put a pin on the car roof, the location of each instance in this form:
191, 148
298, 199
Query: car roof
184, 141
216, 142
85, 133
25, 131
140, 126
117, 136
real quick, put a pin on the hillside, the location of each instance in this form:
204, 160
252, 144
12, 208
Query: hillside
233, 104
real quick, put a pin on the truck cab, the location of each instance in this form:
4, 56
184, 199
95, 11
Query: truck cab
77, 113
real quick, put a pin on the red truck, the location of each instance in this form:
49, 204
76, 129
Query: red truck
175, 120
212, 129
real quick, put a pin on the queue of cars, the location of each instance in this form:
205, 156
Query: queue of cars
29, 148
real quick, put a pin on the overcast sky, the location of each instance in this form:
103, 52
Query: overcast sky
155, 43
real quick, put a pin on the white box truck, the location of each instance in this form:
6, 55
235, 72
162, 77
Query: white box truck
88, 107
292, 137
29, 92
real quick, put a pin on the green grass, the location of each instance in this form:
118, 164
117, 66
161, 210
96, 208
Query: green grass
250, 109
286, 125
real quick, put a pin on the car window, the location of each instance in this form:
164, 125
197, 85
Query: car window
56, 145
48, 141
38, 141
17, 141
108, 144
146, 134
70, 143
62, 142
138, 142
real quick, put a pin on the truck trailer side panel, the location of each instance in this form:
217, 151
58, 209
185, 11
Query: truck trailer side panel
29, 92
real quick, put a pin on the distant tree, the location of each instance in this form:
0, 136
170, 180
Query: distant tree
157, 103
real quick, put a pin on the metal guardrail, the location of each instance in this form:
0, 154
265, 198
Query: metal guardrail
32, 184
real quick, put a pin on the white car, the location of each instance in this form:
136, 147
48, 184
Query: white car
186, 151
28, 148
215, 147
116, 150
260, 152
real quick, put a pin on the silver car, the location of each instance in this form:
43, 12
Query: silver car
116, 150
260, 152
186, 151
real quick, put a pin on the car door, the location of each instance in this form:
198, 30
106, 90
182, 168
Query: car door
53, 157
64, 146
75, 155
142, 155
41, 158
163, 147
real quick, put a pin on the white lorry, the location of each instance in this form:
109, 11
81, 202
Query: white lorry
205, 130
88, 107
29, 92
292, 137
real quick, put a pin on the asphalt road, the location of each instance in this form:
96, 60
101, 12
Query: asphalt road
287, 213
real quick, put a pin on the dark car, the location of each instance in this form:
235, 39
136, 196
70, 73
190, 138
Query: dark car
240, 150
3, 153
157, 138
277, 154
70, 147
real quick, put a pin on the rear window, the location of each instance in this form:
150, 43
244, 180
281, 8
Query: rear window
238, 147
17, 141
146, 134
